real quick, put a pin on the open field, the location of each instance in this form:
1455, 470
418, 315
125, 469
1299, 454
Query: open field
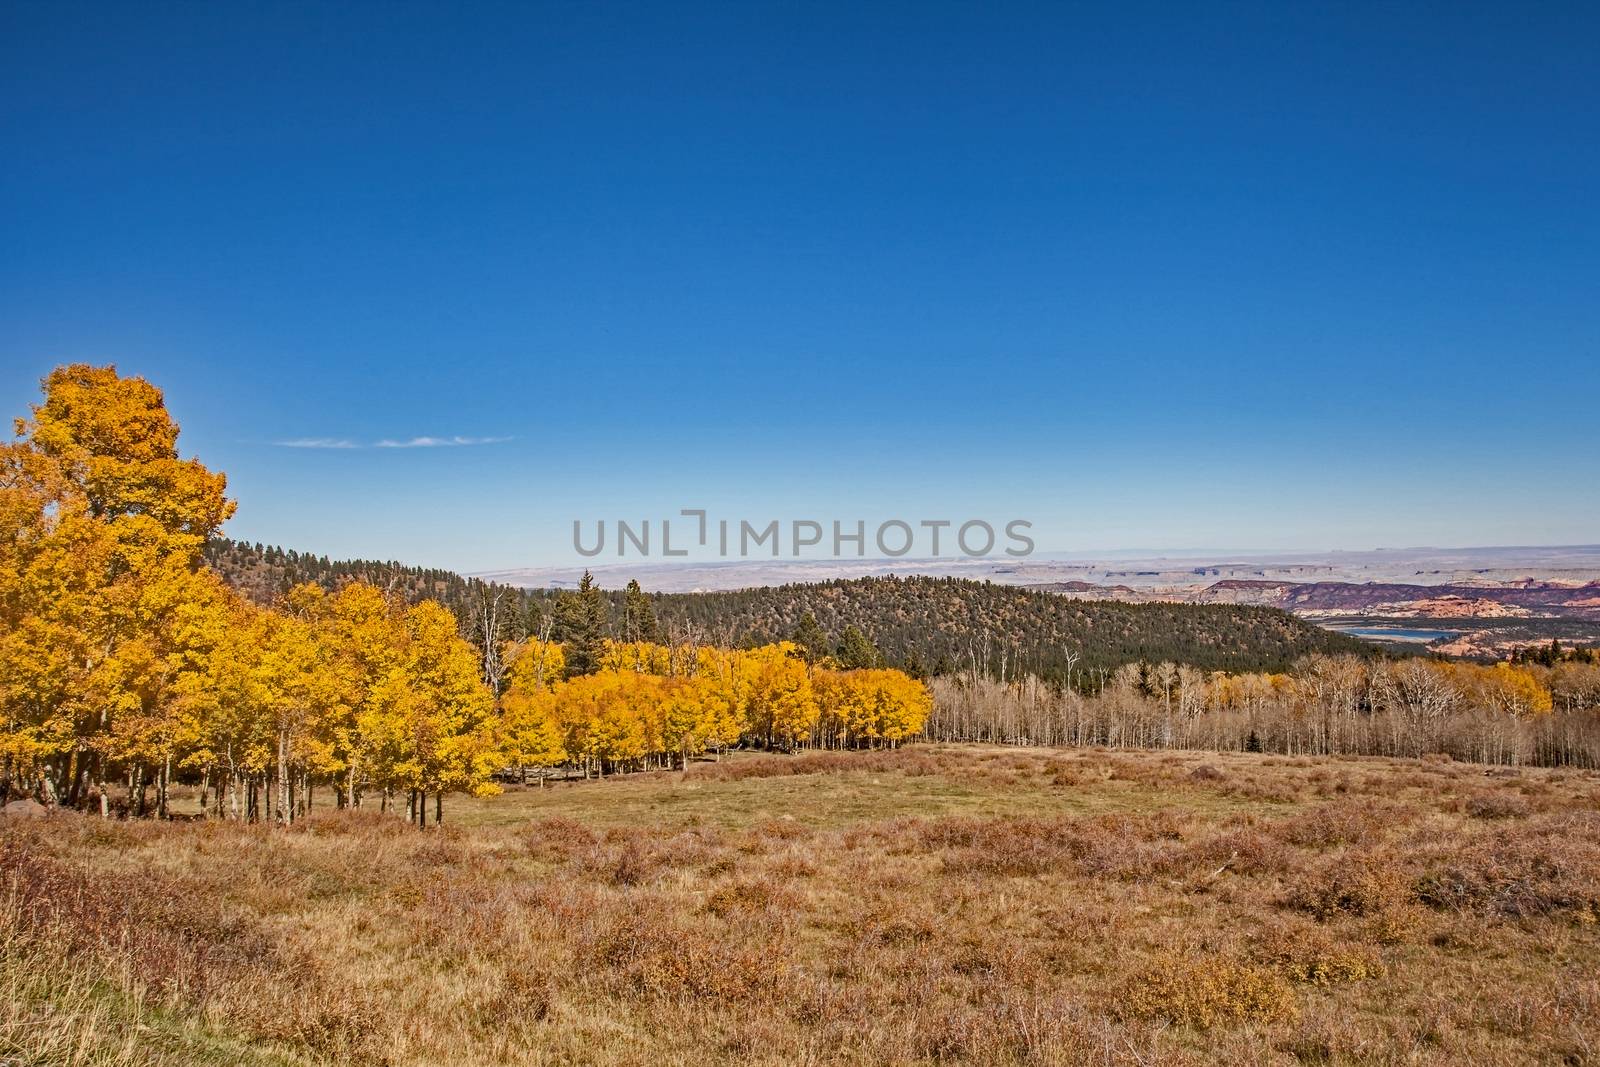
932, 904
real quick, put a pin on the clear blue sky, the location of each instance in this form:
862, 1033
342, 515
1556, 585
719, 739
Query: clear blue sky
1255, 276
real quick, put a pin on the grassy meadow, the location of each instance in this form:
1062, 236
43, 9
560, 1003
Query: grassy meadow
931, 904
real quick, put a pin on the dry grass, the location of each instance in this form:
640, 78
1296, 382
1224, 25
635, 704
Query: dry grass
935, 904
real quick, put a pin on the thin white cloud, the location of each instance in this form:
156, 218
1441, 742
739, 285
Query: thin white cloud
440, 442
456, 441
317, 442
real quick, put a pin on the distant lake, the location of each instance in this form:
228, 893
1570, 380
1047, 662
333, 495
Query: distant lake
1394, 633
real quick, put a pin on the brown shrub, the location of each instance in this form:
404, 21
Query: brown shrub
748, 897
792, 865
441, 849
522, 995
1204, 991
1394, 926
626, 864
898, 928
1067, 774
1310, 955
176, 941
1340, 823
358, 940
1496, 806
1352, 884
783, 829
1543, 867
623, 856
558, 840
774, 765
350, 822
1240, 852
171, 932
1108, 846
1001, 1029
639, 954
1273, 792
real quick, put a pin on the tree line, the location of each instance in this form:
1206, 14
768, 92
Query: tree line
125, 662
576, 695
653, 705
127, 665
927, 627
944, 626
1525, 712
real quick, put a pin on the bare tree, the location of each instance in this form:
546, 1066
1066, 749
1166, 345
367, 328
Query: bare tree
487, 626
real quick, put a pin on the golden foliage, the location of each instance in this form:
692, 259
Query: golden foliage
1205, 991
655, 703
122, 658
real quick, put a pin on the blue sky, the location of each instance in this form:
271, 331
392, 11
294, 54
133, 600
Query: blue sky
1248, 276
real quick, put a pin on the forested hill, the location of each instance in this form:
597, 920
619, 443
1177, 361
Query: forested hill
927, 625
948, 624
264, 573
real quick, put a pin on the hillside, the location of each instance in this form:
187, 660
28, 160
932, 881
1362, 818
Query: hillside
927, 625
1554, 598
265, 572
946, 624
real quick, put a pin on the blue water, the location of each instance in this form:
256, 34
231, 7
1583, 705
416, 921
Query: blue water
1394, 633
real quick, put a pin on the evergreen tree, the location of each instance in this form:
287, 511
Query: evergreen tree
531, 620
810, 637
638, 615
581, 621
856, 652
914, 665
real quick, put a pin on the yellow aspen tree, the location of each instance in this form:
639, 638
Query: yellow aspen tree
54, 560
638, 657
781, 706
834, 696
683, 719
529, 730
290, 678
601, 724
1515, 692
102, 449
384, 725
114, 441
450, 715
536, 665
363, 631
644, 696
723, 686
219, 714
902, 704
